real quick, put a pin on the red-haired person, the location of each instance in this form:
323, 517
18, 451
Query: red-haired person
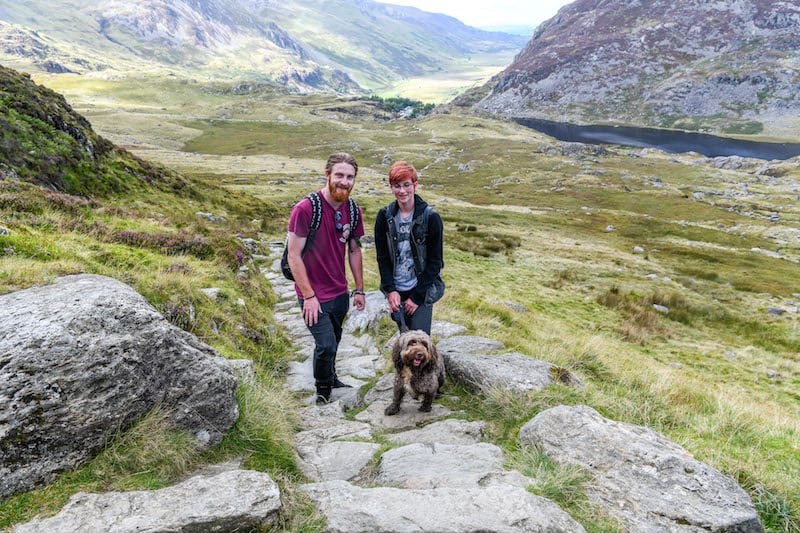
319, 272
408, 243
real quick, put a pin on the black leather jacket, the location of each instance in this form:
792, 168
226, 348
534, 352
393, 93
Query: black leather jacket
425, 248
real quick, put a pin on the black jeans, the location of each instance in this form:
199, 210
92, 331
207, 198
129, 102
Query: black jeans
421, 319
327, 333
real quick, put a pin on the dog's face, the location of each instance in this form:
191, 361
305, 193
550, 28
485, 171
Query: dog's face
415, 348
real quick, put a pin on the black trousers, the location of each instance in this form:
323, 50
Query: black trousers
327, 333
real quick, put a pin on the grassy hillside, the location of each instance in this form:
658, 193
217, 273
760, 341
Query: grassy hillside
110, 213
540, 251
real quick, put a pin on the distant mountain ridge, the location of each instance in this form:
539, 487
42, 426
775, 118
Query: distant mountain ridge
729, 67
337, 45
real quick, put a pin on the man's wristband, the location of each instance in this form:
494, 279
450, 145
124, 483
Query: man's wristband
357, 291
309, 297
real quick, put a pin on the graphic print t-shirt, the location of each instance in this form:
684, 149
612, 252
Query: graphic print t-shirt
405, 278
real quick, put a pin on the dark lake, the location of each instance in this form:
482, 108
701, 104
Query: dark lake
673, 141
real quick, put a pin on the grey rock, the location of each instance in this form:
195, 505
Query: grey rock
359, 368
86, 356
336, 460
211, 292
515, 306
409, 416
340, 430
300, 376
640, 478
243, 369
367, 320
287, 305
469, 344
348, 398
450, 431
430, 466
210, 217
492, 509
441, 329
321, 416
382, 390
226, 500
513, 372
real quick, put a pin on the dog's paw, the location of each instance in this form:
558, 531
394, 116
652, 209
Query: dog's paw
425, 408
392, 410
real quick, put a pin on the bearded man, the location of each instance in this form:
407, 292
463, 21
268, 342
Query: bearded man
319, 270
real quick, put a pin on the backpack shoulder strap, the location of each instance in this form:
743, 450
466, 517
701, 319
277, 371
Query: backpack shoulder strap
316, 218
353, 217
316, 210
422, 220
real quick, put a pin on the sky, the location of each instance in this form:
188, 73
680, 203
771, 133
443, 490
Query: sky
483, 13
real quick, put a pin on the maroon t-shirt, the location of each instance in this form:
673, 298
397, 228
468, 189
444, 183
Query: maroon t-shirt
325, 260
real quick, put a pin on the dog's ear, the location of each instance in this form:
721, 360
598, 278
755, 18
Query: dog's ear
429, 345
397, 348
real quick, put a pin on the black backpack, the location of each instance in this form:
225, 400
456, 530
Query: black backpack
316, 218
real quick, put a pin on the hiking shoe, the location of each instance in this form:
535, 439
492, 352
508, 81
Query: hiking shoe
338, 384
323, 395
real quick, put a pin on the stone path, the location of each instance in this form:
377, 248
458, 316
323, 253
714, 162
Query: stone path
439, 477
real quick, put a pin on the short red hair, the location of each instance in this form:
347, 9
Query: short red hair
402, 171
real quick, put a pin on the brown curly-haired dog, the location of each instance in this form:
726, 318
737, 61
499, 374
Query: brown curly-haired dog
418, 370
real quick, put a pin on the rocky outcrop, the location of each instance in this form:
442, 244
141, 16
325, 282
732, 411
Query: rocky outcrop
639, 477
497, 509
471, 361
720, 66
220, 498
87, 356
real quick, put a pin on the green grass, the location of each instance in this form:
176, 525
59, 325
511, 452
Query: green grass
540, 272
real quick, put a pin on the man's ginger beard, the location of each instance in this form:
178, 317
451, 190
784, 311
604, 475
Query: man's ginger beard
338, 195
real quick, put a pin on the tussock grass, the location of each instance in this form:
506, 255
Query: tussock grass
151, 448
263, 434
564, 485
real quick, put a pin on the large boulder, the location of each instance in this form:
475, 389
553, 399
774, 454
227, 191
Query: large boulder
639, 477
87, 356
494, 508
513, 372
220, 498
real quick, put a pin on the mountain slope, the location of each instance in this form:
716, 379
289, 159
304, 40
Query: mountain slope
722, 66
340, 45
43, 141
